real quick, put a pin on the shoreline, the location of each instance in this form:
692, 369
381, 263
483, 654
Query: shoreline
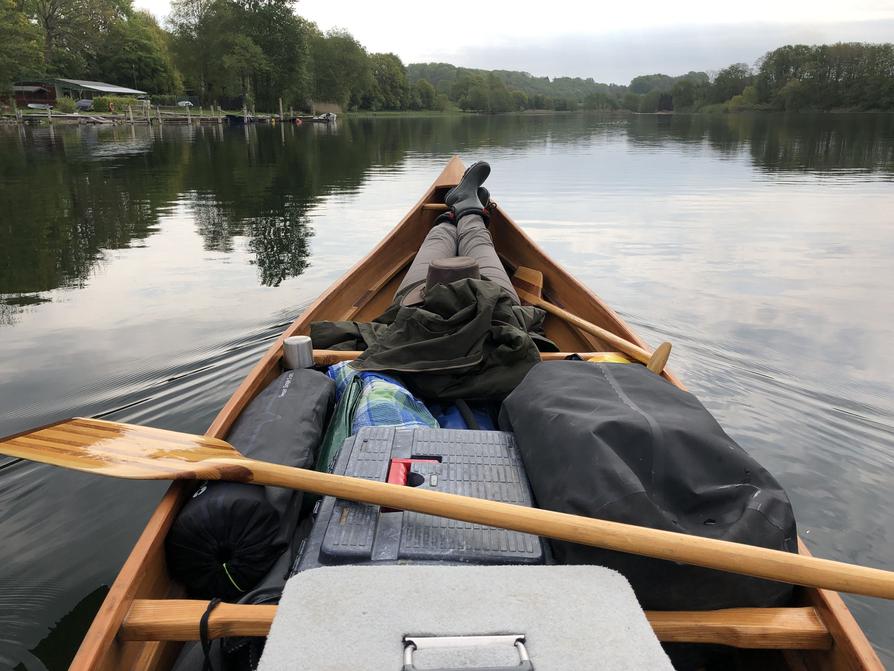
121, 119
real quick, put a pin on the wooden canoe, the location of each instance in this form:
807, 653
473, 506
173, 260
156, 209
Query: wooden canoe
144, 615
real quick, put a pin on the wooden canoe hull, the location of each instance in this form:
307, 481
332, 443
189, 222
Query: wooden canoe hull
364, 292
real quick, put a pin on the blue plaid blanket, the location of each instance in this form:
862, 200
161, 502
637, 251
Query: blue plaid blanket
383, 400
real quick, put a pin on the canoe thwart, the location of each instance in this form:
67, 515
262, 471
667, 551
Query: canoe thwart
327, 357
769, 628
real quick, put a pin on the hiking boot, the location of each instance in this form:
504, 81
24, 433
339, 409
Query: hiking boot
465, 198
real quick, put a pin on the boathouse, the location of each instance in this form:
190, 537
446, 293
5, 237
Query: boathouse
49, 90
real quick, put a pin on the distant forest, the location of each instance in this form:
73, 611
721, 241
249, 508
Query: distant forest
255, 52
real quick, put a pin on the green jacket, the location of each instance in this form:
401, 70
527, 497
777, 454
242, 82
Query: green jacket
467, 340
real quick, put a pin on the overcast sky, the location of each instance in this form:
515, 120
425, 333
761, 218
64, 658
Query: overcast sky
609, 41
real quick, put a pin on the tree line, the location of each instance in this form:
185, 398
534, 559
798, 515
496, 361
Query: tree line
256, 52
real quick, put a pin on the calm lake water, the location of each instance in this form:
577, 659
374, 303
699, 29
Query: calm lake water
144, 270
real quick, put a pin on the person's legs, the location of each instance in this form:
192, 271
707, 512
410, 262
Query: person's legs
440, 243
474, 240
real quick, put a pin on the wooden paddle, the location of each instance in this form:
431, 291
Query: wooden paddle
528, 285
129, 451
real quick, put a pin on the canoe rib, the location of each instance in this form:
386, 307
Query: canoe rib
144, 574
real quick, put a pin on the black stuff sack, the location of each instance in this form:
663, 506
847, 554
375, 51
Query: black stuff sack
224, 540
228, 536
617, 442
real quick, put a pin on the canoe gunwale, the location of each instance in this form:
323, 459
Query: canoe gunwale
144, 573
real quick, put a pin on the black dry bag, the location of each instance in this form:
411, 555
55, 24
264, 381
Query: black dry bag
617, 442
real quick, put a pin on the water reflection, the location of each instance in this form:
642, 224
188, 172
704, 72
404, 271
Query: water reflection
817, 143
75, 192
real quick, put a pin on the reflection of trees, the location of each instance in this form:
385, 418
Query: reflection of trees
62, 208
781, 142
822, 142
69, 193
215, 227
278, 239
279, 243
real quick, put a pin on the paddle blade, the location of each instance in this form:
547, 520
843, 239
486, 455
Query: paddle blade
659, 357
126, 451
529, 281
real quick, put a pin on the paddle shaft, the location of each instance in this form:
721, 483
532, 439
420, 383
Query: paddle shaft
707, 552
623, 345
137, 452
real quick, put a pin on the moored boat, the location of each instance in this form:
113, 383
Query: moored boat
239, 119
325, 117
816, 632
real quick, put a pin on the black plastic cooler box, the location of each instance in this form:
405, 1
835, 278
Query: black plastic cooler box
484, 464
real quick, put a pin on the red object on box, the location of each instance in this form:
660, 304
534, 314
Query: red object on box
399, 469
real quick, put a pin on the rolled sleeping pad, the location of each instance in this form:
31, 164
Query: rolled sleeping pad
228, 536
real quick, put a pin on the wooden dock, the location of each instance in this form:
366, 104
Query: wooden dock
130, 116
146, 115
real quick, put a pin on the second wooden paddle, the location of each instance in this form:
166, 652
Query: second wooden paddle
528, 284
136, 452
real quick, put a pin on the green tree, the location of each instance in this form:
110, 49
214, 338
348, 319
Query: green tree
540, 102
341, 68
748, 99
647, 83
460, 87
73, 29
243, 60
600, 101
631, 101
194, 26
794, 95
684, 94
730, 81
391, 84
649, 103
477, 99
285, 40
20, 45
135, 53
208, 43
425, 94
845, 75
499, 96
